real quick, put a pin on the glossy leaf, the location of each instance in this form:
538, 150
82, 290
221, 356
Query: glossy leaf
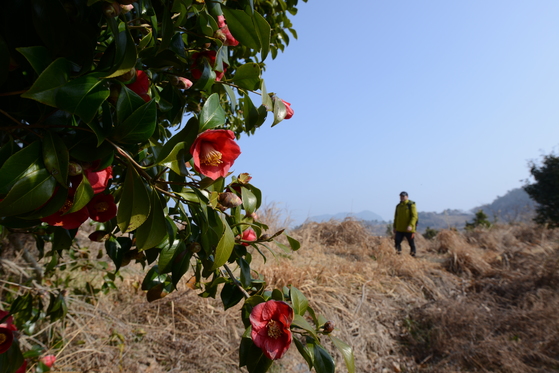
230, 295
249, 200
83, 96
127, 103
38, 57
295, 245
299, 301
177, 158
29, 193
300, 322
264, 33
305, 352
242, 28
21, 163
135, 205
323, 362
124, 50
56, 157
154, 229
347, 353
224, 246
280, 111
212, 114
46, 86
84, 194
12, 359
247, 76
139, 126
252, 357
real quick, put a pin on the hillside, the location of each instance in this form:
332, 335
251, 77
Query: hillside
484, 300
515, 206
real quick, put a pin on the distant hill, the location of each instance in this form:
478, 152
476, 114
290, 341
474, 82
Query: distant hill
363, 215
515, 206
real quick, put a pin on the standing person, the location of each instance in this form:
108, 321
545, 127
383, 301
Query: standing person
405, 220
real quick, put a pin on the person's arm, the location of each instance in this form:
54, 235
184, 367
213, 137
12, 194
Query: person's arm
414, 217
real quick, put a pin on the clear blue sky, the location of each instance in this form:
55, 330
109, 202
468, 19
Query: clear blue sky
447, 100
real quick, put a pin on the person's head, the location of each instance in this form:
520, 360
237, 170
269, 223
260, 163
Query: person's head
403, 196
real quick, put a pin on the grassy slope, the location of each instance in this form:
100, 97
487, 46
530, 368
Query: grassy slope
481, 301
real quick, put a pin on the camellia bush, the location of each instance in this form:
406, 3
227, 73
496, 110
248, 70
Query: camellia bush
126, 114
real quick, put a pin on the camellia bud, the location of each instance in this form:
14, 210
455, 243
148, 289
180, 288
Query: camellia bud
74, 169
244, 178
194, 247
253, 215
126, 8
329, 327
228, 199
184, 83
264, 237
128, 77
111, 10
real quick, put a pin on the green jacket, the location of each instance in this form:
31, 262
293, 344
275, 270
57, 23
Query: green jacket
405, 216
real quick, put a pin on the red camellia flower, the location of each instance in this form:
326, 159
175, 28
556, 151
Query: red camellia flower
48, 360
140, 85
6, 331
270, 327
102, 207
68, 221
214, 152
197, 63
99, 179
290, 111
224, 34
248, 235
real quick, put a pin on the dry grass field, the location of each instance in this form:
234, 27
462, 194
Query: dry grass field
481, 301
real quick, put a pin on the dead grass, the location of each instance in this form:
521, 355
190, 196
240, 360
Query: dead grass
482, 301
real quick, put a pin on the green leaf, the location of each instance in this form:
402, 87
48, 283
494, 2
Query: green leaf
230, 295
154, 229
56, 157
253, 357
277, 295
295, 245
246, 278
117, 249
225, 245
299, 301
125, 55
46, 86
83, 96
323, 362
305, 352
61, 240
280, 111
347, 353
29, 193
264, 33
128, 102
12, 359
139, 126
176, 160
38, 57
167, 30
134, 205
249, 200
242, 28
21, 163
57, 307
300, 322
212, 114
84, 194
187, 135
53, 205
168, 253
247, 76
266, 100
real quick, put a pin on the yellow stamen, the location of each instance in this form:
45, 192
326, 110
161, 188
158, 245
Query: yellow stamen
3, 338
210, 156
101, 206
67, 206
274, 329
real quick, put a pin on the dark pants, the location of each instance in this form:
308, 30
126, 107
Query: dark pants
400, 237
